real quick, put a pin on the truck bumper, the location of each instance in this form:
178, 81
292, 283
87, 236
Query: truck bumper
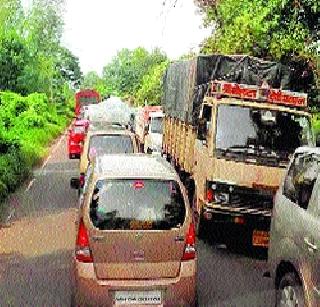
235, 228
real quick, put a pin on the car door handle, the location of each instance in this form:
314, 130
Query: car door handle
311, 246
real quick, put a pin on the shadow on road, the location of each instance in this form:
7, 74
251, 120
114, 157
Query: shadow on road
226, 278
36, 281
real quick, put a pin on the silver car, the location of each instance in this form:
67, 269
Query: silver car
294, 252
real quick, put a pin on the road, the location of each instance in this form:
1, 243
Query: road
36, 248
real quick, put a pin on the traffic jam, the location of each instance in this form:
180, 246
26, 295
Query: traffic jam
234, 164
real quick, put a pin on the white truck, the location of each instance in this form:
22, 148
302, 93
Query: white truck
148, 129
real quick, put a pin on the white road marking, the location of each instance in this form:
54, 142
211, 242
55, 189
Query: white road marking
57, 145
45, 162
30, 185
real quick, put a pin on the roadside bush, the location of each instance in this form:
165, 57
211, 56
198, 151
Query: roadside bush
27, 126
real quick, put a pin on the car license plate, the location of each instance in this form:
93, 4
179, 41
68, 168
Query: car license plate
137, 297
260, 238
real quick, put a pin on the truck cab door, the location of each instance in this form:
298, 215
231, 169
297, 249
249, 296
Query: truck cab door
205, 123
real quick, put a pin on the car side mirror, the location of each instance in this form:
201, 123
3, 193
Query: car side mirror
75, 183
318, 140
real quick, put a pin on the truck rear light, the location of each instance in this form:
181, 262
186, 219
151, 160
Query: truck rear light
190, 249
83, 252
82, 178
210, 195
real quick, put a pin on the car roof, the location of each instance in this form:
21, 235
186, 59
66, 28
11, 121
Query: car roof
156, 114
134, 166
306, 149
109, 131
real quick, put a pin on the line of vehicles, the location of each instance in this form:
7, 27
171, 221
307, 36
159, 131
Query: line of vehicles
209, 163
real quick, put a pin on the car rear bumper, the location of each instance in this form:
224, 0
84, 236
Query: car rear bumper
74, 149
178, 291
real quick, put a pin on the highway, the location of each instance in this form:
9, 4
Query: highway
36, 248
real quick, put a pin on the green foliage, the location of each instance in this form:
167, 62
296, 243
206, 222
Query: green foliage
316, 123
93, 81
28, 124
124, 74
32, 63
31, 56
151, 85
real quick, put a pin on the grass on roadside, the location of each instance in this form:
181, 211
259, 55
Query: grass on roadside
29, 125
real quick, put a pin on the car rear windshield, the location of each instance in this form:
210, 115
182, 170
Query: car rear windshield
79, 129
111, 144
134, 204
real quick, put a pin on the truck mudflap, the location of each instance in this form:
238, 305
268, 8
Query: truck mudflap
244, 225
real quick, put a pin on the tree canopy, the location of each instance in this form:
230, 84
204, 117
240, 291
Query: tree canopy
130, 71
32, 58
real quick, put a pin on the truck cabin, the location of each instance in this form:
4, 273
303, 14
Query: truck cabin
155, 123
240, 129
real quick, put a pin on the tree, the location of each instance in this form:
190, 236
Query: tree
13, 55
125, 72
151, 86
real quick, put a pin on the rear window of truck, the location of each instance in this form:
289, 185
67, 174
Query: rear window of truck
135, 204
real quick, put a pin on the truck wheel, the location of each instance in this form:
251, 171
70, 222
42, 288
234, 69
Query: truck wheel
290, 292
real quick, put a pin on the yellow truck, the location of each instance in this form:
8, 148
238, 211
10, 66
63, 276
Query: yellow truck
231, 142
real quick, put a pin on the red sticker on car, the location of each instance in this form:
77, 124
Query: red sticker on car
139, 184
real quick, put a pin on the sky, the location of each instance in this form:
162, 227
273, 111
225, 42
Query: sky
96, 29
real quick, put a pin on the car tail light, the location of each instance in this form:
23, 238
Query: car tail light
239, 220
83, 252
210, 195
82, 180
190, 249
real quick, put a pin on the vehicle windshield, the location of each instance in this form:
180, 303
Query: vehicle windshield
265, 133
100, 125
84, 101
79, 129
137, 204
111, 144
156, 125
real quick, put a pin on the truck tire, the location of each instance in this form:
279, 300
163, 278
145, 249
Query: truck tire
290, 292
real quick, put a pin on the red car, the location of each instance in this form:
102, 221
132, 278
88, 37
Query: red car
76, 138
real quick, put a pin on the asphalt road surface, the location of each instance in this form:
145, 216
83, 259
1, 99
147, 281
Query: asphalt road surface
36, 248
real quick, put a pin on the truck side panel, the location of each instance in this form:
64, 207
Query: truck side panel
178, 142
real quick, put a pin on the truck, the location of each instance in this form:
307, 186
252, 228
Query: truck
84, 98
231, 126
153, 137
148, 128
